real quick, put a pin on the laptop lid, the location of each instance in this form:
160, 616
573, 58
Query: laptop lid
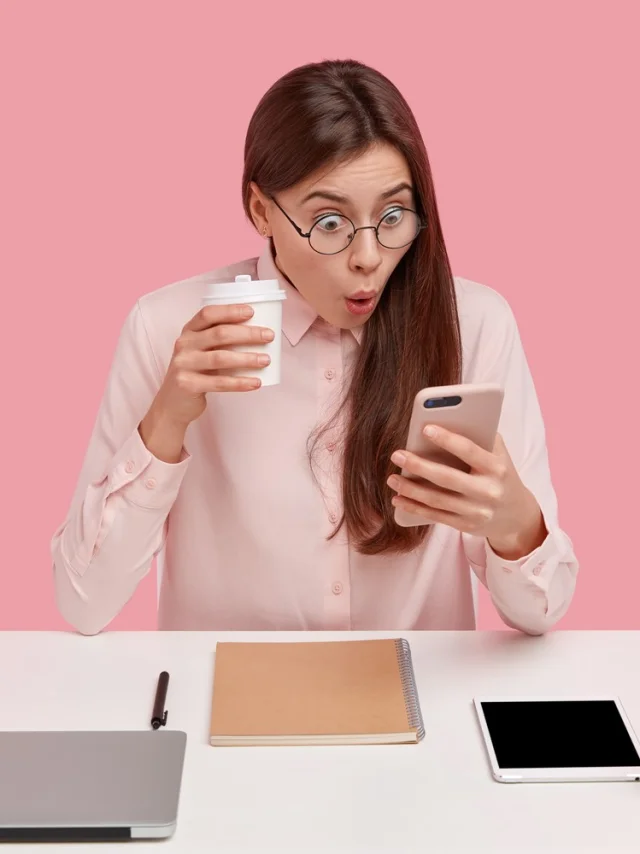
89, 785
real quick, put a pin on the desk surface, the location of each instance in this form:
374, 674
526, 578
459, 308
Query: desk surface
438, 796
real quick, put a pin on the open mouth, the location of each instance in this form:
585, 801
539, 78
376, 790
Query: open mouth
361, 306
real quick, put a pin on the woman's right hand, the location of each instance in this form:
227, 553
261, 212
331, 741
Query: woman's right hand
200, 361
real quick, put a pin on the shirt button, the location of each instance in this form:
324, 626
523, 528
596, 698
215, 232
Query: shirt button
333, 517
507, 568
129, 467
151, 483
331, 446
537, 569
337, 588
329, 374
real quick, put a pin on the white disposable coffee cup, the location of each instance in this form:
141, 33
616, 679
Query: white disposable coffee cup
265, 297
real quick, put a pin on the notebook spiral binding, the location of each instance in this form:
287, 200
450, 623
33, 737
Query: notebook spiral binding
409, 689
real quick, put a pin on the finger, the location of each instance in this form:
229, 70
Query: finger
223, 383
219, 360
234, 336
435, 498
461, 447
439, 474
429, 514
197, 383
213, 315
223, 336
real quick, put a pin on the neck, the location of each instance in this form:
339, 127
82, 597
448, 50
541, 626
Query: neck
277, 263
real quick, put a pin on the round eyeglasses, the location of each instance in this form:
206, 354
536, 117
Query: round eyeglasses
332, 233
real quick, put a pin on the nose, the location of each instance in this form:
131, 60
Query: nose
364, 252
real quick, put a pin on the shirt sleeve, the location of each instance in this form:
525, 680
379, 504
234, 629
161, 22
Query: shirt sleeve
116, 522
531, 594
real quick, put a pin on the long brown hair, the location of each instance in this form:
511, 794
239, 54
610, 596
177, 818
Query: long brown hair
325, 113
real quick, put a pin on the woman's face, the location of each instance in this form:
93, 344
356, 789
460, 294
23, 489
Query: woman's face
363, 190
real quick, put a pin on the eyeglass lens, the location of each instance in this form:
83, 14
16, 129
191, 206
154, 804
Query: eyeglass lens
333, 232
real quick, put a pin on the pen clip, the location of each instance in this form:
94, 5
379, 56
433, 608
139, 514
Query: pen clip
159, 712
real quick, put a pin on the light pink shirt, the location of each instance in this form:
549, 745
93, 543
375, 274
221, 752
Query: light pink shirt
242, 523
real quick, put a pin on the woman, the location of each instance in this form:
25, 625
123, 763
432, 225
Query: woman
275, 509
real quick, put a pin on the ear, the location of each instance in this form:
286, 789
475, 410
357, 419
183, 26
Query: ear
260, 207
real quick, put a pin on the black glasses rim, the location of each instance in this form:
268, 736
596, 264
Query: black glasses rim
421, 226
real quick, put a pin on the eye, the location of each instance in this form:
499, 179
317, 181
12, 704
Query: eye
331, 223
393, 217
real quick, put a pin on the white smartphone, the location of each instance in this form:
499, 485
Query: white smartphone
558, 739
472, 410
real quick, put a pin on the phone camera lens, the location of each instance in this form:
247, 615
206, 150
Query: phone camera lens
432, 402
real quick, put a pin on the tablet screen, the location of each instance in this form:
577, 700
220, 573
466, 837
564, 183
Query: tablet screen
559, 734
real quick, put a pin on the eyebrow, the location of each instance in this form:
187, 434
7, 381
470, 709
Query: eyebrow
343, 200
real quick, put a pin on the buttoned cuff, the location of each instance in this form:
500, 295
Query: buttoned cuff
535, 569
142, 478
533, 562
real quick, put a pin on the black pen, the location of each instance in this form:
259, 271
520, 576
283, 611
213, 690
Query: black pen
159, 717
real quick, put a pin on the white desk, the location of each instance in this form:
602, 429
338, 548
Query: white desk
435, 797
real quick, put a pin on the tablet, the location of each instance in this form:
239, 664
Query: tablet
558, 739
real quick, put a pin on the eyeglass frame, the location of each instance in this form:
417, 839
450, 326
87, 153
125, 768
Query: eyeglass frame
421, 225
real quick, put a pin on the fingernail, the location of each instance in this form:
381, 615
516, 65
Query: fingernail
267, 335
246, 311
430, 431
393, 481
263, 360
398, 458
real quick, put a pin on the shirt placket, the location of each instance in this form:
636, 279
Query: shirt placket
336, 581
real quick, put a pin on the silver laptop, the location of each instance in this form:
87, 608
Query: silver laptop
89, 786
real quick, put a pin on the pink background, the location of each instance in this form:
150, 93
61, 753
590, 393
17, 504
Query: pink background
122, 134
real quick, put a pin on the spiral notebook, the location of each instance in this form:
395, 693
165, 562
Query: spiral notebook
318, 692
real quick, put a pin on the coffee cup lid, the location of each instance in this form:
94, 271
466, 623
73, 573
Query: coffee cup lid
246, 289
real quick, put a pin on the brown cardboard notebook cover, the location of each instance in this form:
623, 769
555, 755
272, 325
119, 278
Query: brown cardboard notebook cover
319, 692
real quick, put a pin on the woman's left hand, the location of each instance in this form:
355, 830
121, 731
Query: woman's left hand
490, 501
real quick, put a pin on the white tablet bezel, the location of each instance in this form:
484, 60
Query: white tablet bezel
556, 775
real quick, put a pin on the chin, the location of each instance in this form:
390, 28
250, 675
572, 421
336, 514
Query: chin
345, 320
352, 322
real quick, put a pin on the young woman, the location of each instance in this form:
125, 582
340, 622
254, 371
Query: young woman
274, 508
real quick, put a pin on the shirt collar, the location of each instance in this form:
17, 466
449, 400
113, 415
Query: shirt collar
297, 314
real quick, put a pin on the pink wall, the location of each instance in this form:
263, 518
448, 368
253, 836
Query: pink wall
122, 134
